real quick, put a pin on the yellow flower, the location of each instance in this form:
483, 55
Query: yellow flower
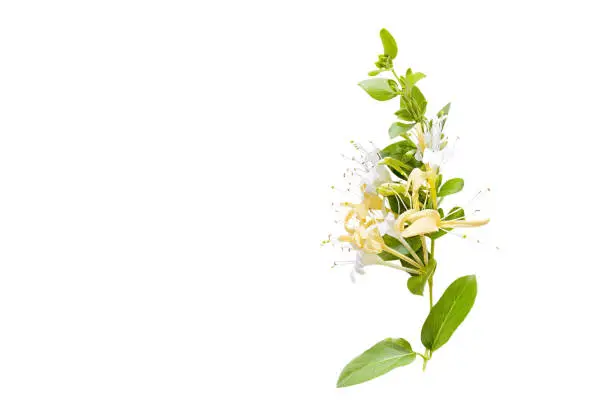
415, 180
369, 202
428, 221
368, 240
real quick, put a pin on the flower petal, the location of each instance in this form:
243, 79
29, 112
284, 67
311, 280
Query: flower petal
422, 226
463, 223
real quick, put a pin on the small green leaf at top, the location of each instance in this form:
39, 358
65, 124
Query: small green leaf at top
451, 186
416, 284
413, 77
449, 312
381, 358
381, 89
399, 129
389, 44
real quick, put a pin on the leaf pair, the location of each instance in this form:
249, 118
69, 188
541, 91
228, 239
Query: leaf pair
444, 318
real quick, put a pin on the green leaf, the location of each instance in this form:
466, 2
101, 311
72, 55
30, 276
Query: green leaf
399, 128
448, 313
399, 203
416, 284
389, 44
444, 110
413, 77
390, 189
398, 149
405, 114
374, 73
452, 186
381, 89
438, 181
453, 214
420, 100
397, 166
403, 151
381, 358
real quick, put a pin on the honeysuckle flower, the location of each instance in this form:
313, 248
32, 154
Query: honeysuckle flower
386, 226
366, 239
416, 179
431, 145
371, 173
374, 177
362, 209
364, 234
428, 221
362, 260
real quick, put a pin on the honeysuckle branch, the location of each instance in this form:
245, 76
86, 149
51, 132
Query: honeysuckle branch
398, 215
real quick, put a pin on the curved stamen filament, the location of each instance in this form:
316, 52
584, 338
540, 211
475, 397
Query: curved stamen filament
401, 256
410, 250
400, 268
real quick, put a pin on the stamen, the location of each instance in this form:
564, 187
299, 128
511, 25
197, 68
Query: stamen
409, 248
467, 237
400, 256
399, 197
401, 268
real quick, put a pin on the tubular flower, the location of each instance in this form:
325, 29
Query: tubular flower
368, 170
365, 239
431, 143
428, 221
416, 179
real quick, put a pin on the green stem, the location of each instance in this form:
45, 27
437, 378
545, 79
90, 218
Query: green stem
430, 280
426, 357
396, 77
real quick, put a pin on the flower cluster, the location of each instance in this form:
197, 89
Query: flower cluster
396, 214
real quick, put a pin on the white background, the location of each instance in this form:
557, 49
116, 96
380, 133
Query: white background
164, 186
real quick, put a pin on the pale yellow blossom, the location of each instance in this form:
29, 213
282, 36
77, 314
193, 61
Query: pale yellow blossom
428, 221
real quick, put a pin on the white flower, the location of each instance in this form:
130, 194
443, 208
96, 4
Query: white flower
434, 158
431, 145
362, 260
387, 226
370, 174
374, 177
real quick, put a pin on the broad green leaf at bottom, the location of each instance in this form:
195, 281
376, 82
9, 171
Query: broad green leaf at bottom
381, 358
